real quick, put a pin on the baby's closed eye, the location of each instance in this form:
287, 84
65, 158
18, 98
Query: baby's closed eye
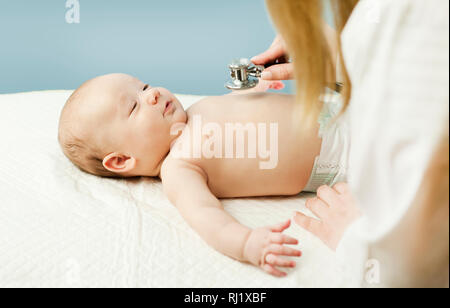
134, 108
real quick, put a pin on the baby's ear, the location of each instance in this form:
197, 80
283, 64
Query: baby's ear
119, 163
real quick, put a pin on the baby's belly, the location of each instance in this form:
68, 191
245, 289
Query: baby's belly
264, 171
232, 178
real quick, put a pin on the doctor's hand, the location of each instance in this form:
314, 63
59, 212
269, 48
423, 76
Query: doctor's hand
337, 210
262, 86
276, 53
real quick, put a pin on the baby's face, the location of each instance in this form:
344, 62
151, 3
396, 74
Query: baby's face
134, 120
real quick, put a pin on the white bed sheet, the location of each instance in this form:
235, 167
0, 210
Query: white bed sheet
60, 227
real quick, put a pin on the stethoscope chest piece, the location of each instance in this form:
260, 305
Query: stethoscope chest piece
244, 74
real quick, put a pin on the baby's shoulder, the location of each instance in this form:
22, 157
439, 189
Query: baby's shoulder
173, 169
203, 103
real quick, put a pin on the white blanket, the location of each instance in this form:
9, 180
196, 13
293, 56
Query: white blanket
60, 227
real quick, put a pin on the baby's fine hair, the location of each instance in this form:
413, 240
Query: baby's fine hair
79, 148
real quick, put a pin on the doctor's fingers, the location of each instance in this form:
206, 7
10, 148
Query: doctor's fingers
308, 223
330, 196
318, 207
283, 71
342, 188
274, 52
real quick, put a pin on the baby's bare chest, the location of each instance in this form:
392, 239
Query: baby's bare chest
245, 152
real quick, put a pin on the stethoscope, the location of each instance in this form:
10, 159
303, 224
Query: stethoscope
245, 75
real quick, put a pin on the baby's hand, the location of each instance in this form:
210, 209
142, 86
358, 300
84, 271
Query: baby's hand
336, 209
265, 246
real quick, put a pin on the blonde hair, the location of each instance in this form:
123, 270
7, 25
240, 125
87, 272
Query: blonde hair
80, 148
302, 27
422, 238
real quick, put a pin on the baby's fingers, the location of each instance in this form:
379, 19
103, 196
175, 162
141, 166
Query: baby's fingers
273, 271
278, 261
283, 250
280, 238
281, 226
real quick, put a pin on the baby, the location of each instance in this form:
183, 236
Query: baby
117, 126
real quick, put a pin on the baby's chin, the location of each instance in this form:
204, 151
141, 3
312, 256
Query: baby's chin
180, 115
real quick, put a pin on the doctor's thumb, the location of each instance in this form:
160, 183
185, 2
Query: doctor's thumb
279, 72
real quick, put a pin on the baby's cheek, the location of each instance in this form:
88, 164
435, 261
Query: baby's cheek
138, 133
150, 131
154, 126
157, 131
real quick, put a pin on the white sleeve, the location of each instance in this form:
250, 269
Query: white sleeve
399, 66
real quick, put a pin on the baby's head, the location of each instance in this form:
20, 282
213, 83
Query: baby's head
117, 126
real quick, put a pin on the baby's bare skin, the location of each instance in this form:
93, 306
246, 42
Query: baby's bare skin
133, 125
194, 185
243, 177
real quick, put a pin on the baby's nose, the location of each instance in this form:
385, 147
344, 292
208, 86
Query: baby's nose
153, 97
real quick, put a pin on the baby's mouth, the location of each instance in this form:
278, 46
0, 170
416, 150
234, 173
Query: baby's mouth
168, 107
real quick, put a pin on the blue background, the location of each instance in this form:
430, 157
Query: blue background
183, 45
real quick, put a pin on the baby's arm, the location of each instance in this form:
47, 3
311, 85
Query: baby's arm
186, 187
